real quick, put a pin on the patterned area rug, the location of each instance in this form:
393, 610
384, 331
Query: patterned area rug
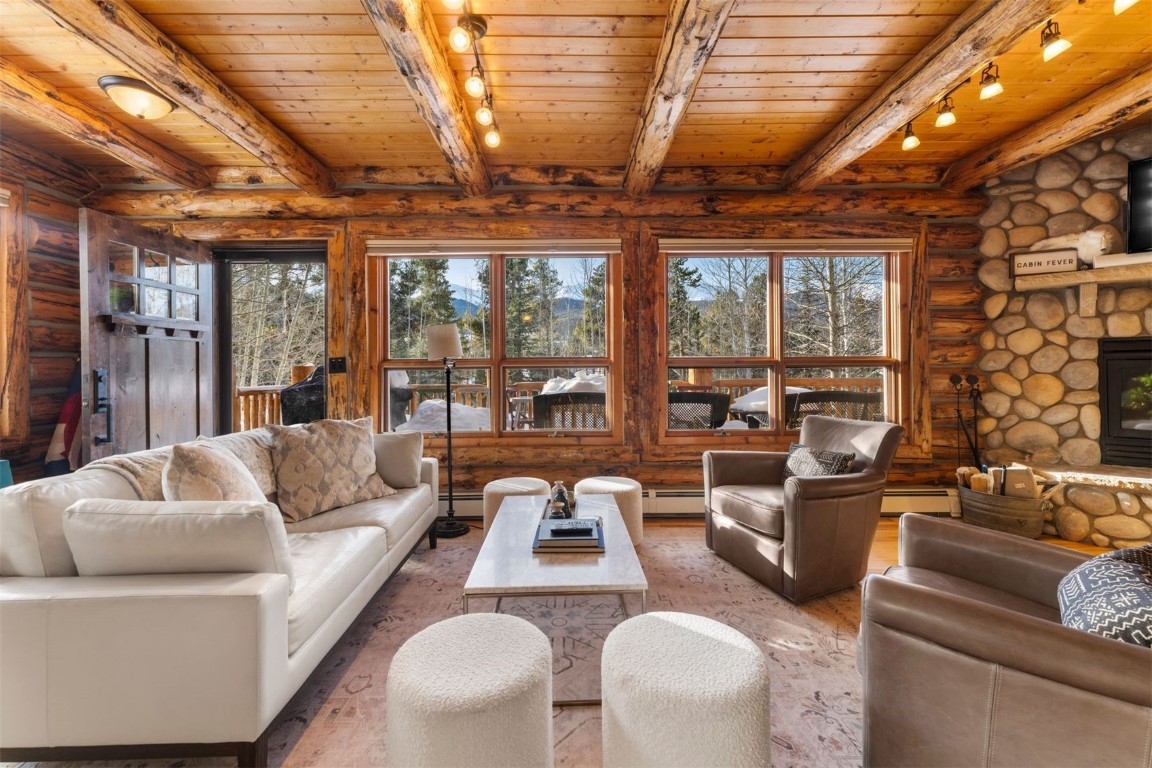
337, 718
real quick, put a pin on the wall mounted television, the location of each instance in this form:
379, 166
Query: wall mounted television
1140, 206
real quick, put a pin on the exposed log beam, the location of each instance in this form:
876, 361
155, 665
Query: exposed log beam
39, 101
986, 30
132, 39
409, 32
1105, 109
59, 174
288, 204
690, 35
551, 176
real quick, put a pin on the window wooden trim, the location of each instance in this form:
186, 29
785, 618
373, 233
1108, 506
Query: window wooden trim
496, 362
907, 324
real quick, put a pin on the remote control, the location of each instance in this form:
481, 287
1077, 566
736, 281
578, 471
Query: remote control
572, 528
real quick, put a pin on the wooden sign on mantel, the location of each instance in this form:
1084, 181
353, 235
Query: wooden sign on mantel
1042, 262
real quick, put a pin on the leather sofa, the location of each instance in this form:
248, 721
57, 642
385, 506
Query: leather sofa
184, 664
965, 661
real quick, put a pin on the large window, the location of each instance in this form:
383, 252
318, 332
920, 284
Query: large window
760, 338
535, 328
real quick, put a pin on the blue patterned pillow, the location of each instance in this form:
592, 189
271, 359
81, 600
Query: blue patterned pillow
811, 462
1111, 595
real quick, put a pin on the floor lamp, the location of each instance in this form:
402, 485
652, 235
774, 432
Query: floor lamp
444, 345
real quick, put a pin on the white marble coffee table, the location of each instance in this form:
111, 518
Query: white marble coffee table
506, 565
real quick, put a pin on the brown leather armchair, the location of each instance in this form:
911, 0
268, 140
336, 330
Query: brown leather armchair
965, 661
805, 536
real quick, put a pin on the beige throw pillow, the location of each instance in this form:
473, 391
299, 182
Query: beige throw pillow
202, 472
110, 537
324, 465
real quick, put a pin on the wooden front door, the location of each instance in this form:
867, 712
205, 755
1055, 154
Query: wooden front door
147, 342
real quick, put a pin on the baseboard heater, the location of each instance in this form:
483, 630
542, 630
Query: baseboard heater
689, 502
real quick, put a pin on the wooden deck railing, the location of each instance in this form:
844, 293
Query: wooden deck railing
255, 406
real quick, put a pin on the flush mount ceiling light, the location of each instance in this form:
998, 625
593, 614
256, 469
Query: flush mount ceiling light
453, 5
1119, 6
469, 28
990, 82
136, 97
910, 140
944, 115
1051, 42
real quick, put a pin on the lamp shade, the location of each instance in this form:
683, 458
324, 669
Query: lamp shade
136, 97
444, 342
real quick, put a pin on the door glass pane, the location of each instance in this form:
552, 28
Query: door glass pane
186, 306
121, 262
833, 305
555, 307
185, 273
425, 409
154, 266
429, 291
121, 259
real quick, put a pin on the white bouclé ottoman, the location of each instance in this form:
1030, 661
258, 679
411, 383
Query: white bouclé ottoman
472, 690
683, 690
629, 498
496, 491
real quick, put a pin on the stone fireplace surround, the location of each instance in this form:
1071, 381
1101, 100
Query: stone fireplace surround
1040, 348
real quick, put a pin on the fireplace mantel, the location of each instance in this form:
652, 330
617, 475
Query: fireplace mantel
1087, 281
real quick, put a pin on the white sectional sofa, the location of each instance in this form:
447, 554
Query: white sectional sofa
194, 662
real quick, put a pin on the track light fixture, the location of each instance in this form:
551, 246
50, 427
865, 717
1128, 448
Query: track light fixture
475, 86
945, 116
1119, 6
910, 140
136, 97
492, 137
1051, 42
990, 82
485, 115
469, 28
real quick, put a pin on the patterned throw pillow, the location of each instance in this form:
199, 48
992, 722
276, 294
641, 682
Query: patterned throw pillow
1111, 595
811, 462
200, 472
324, 465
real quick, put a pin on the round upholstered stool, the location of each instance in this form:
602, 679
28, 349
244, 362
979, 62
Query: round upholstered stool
496, 491
683, 690
471, 690
629, 498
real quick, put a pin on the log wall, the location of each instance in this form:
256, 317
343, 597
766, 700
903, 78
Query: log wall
44, 246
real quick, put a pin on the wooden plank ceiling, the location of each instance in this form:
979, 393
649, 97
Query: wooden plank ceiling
638, 95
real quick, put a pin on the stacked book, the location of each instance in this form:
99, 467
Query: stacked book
571, 536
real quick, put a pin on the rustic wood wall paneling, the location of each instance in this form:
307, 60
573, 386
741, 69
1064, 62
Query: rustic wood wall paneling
338, 277
15, 344
45, 240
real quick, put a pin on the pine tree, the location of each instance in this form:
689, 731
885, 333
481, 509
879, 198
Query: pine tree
518, 308
403, 324
685, 331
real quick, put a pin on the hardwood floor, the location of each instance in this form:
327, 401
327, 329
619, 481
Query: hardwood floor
885, 547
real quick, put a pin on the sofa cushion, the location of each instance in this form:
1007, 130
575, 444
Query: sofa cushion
328, 565
1111, 595
396, 514
398, 457
324, 465
32, 539
804, 461
201, 471
760, 507
254, 449
109, 537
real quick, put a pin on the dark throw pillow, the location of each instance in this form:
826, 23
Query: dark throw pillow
1111, 595
812, 462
